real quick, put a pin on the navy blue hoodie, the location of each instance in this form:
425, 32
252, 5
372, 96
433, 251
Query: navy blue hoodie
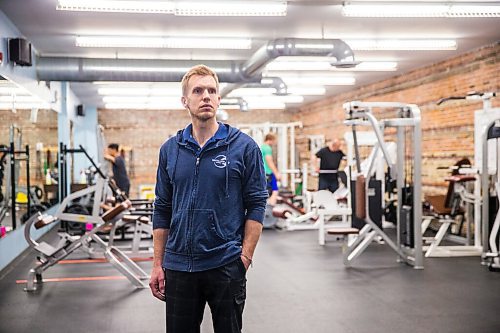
205, 195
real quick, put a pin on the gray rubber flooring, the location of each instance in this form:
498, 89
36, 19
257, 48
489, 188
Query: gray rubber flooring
295, 286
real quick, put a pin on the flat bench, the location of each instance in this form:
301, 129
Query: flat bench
342, 231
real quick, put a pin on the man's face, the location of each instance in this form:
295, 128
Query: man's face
335, 145
112, 152
202, 98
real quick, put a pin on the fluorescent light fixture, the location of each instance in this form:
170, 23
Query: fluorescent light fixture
269, 98
276, 105
12, 91
23, 106
180, 8
423, 9
272, 99
326, 66
122, 6
165, 42
145, 106
147, 69
231, 8
307, 91
315, 80
257, 105
19, 99
140, 91
401, 44
252, 91
142, 100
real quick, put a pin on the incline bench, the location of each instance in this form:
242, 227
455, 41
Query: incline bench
52, 254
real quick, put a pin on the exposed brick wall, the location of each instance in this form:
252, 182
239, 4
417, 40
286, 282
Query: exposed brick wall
145, 130
447, 129
44, 131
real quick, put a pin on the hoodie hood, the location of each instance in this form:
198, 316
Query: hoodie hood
225, 134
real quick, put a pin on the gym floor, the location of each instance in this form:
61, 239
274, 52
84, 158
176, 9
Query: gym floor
295, 286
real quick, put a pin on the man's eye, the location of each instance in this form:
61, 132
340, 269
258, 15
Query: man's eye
212, 91
197, 91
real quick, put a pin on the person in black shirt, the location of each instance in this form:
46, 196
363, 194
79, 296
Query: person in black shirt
327, 163
120, 176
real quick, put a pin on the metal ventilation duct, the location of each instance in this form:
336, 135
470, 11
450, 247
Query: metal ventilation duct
87, 70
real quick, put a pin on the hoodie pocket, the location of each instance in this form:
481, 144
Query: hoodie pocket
207, 234
177, 236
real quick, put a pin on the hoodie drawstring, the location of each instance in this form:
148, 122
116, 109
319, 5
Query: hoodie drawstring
227, 171
175, 164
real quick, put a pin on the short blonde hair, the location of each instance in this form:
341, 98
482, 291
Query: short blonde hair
198, 70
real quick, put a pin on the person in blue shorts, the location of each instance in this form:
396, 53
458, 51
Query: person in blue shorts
272, 173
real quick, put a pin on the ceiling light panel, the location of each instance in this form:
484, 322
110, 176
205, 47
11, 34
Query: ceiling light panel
12, 91
140, 91
19, 99
164, 42
326, 66
24, 105
291, 79
306, 91
420, 9
142, 100
145, 106
401, 44
180, 8
123, 6
231, 8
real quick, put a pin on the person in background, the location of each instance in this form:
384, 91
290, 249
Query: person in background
120, 176
326, 163
208, 212
272, 173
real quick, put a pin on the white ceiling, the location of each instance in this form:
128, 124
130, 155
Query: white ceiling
53, 33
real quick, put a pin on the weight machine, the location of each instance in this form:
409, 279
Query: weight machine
408, 245
52, 253
486, 185
285, 152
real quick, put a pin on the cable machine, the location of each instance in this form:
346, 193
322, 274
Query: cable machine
406, 170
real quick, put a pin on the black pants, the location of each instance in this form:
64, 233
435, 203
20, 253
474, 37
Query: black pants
223, 288
328, 184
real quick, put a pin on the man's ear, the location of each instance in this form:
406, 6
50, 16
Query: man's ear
184, 101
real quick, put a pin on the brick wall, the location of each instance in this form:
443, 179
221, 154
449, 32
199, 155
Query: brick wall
144, 131
44, 131
447, 129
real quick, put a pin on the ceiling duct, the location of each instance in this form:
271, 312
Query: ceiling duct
341, 54
88, 70
266, 82
139, 70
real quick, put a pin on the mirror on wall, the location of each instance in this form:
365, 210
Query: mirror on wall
28, 136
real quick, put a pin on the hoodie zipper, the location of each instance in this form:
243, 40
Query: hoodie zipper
192, 205
191, 213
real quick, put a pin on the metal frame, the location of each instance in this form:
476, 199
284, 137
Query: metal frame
68, 244
360, 114
487, 237
285, 151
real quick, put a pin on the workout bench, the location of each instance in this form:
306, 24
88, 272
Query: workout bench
52, 254
447, 216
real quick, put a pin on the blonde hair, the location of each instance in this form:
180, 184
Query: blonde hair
198, 70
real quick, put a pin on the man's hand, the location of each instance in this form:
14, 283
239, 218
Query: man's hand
278, 176
246, 262
157, 283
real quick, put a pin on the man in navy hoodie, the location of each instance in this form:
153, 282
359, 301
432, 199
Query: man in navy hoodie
210, 202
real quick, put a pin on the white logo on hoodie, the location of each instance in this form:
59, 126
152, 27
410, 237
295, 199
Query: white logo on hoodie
220, 161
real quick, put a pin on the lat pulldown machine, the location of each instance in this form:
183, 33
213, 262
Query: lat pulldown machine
406, 170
